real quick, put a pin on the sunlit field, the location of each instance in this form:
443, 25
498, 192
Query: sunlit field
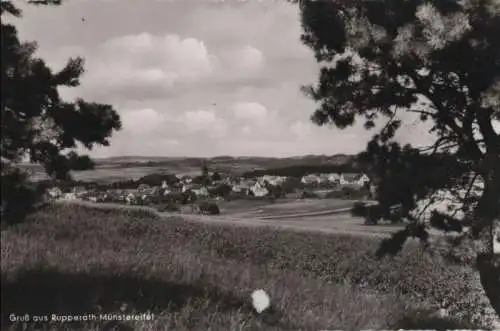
193, 276
107, 174
282, 206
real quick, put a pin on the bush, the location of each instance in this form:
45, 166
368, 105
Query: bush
157, 179
188, 197
308, 195
359, 209
209, 208
168, 207
19, 195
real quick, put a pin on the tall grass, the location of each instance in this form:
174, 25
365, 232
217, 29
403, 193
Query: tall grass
76, 259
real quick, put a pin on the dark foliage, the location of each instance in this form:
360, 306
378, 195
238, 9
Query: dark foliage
386, 61
37, 123
222, 190
302, 170
209, 208
188, 197
170, 206
157, 179
216, 176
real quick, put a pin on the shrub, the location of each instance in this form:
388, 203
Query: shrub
168, 207
359, 209
188, 197
156, 179
209, 208
19, 195
308, 195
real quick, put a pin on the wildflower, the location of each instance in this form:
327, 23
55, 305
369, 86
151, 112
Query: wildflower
260, 300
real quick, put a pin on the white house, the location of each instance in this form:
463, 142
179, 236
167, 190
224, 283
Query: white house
184, 188
130, 198
323, 178
240, 188
273, 180
54, 192
143, 187
200, 191
310, 179
259, 190
363, 179
277, 180
69, 196
354, 179
334, 178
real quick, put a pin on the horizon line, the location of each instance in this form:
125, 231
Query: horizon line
219, 156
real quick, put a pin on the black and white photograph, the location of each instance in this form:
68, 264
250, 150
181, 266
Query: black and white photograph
237, 165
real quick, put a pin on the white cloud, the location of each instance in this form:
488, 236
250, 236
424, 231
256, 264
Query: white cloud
142, 65
185, 56
250, 58
172, 142
141, 120
205, 121
241, 62
250, 111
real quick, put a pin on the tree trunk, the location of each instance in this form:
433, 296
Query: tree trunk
488, 262
488, 265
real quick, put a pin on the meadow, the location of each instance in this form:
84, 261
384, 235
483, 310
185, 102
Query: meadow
280, 207
192, 276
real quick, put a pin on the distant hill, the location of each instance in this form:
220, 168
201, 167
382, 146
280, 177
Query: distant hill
134, 167
256, 160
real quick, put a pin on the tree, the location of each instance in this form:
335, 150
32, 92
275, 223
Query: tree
222, 190
395, 62
216, 176
209, 208
80, 162
205, 176
37, 123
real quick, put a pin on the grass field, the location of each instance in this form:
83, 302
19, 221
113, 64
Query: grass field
305, 206
281, 207
192, 276
109, 174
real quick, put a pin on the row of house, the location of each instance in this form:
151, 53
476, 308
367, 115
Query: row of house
258, 187
341, 179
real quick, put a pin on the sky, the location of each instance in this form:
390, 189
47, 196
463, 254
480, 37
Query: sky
194, 77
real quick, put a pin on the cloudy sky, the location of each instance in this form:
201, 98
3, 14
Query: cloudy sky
194, 77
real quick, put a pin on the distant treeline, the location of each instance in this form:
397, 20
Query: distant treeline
302, 170
151, 180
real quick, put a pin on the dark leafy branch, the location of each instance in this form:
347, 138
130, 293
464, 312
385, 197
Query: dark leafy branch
36, 122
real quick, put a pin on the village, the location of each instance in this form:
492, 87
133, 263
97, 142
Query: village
167, 192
